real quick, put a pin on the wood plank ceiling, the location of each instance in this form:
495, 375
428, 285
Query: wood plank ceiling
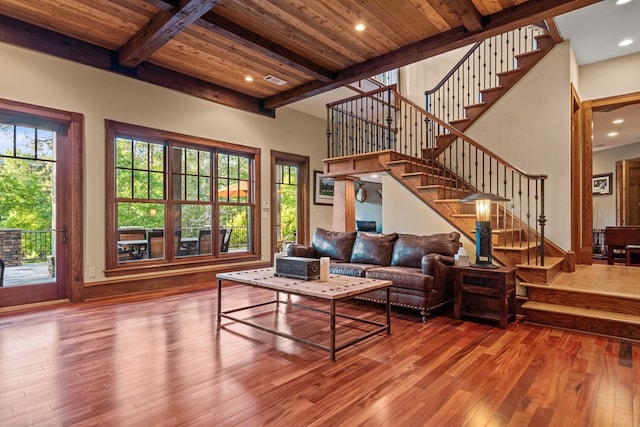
206, 48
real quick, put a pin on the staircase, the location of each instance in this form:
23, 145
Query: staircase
514, 242
485, 73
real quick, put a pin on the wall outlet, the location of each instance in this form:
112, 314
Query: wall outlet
92, 272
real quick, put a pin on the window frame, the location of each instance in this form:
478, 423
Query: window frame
170, 140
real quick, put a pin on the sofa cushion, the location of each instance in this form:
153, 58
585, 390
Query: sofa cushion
402, 277
409, 248
370, 248
349, 269
334, 244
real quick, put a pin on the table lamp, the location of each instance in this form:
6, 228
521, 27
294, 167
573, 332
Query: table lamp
483, 226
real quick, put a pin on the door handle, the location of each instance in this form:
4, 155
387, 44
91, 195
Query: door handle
64, 233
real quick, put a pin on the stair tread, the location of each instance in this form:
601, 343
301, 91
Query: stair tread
607, 293
582, 312
525, 246
550, 262
492, 89
529, 53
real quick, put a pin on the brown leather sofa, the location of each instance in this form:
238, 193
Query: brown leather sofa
419, 266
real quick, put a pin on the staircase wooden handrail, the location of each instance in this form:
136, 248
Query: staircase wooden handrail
454, 68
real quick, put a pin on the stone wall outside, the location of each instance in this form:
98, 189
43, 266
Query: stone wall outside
11, 247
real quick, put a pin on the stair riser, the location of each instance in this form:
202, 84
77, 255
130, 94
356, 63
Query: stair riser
578, 299
539, 276
585, 324
506, 238
517, 257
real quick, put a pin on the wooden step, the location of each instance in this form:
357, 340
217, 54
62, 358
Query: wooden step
583, 319
508, 78
461, 124
474, 111
440, 193
581, 298
544, 42
518, 254
528, 59
492, 94
542, 274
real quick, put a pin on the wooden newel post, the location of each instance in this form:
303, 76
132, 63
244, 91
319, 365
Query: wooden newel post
344, 205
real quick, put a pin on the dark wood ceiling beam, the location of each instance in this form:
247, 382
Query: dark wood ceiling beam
28, 36
164, 26
469, 15
508, 19
263, 46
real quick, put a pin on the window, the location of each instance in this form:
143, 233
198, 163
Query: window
177, 199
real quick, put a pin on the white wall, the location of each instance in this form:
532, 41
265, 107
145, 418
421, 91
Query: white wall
403, 212
424, 75
47, 81
530, 127
605, 205
610, 78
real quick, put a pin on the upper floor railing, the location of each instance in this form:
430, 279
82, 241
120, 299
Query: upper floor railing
383, 120
477, 70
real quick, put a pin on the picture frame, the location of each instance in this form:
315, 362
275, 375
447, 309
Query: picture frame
322, 189
602, 183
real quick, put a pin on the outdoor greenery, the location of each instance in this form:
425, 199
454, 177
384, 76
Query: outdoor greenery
26, 184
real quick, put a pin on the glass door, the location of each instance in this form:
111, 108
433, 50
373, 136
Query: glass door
33, 211
289, 214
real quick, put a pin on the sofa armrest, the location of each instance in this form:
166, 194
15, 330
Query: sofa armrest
302, 251
440, 267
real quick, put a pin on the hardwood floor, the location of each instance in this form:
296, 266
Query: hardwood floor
161, 361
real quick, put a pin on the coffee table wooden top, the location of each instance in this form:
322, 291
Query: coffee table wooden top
337, 287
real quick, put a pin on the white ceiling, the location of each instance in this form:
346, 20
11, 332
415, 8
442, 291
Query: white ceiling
595, 32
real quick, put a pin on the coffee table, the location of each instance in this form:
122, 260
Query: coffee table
335, 289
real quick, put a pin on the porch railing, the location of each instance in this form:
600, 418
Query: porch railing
383, 120
36, 245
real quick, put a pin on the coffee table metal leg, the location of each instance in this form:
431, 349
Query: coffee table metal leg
332, 338
219, 300
388, 310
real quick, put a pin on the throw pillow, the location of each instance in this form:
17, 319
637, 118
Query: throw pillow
372, 248
334, 244
409, 249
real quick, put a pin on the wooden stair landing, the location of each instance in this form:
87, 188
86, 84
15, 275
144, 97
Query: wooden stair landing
599, 299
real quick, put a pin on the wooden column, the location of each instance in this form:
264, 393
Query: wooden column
344, 205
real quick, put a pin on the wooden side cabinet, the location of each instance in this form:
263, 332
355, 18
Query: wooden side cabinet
485, 293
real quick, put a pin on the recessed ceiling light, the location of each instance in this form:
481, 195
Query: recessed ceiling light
617, 121
625, 42
248, 78
374, 175
360, 27
612, 134
621, 2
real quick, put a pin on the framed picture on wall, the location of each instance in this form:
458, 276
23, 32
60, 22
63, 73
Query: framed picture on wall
323, 189
602, 184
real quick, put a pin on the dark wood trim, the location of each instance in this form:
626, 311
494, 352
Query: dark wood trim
113, 266
304, 194
581, 235
588, 107
164, 26
203, 277
259, 44
509, 19
35, 38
